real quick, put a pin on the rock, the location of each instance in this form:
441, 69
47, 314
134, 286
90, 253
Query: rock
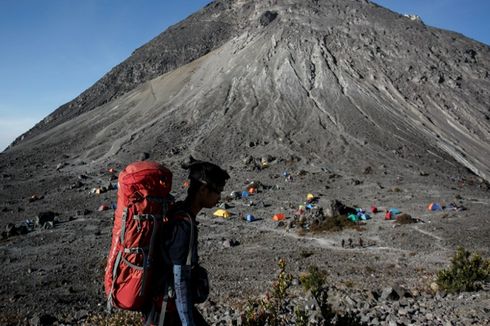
389, 294
365, 319
236, 195
434, 286
102, 208
336, 208
402, 312
60, 166
302, 173
267, 159
224, 206
143, 156
22, 229
247, 160
350, 302
48, 225
228, 243
34, 198
401, 291
267, 18
81, 314
44, 217
76, 185
42, 320
11, 230
83, 212
404, 218
367, 170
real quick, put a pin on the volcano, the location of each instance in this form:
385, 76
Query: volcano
344, 87
342, 82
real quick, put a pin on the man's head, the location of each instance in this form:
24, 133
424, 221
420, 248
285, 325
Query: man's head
207, 181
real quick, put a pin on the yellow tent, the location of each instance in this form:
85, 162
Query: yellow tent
222, 213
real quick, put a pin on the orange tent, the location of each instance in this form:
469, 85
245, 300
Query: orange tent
278, 217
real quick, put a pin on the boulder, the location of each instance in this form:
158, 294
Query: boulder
267, 17
44, 217
389, 294
143, 156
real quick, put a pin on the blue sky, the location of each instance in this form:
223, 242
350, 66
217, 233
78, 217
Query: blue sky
53, 50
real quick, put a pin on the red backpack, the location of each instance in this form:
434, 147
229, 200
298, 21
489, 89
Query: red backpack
142, 203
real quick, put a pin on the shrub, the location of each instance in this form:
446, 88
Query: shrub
313, 280
333, 224
267, 310
301, 317
466, 273
272, 309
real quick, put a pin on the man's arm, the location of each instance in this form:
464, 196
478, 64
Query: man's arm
178, 252
183, 301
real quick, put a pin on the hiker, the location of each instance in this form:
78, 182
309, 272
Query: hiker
207, 181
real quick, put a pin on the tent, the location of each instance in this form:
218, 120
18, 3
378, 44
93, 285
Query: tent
352, 217
434, 207
222, 213
278, 217
391, 213
250, 218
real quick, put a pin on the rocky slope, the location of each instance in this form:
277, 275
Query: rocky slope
180, 44
342, 81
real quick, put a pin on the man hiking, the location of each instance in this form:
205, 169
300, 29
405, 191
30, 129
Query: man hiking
180, 236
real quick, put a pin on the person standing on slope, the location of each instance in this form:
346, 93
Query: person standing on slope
207, 181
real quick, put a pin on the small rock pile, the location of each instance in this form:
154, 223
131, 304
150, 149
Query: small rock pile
389, 306
44, 220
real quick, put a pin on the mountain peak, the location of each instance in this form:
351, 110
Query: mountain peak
332, 80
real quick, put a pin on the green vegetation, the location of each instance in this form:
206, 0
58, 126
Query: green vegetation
314, 280
269, 309
272, 308
466, 273
333, 224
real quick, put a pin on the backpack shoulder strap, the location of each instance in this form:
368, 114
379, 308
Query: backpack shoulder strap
186, 216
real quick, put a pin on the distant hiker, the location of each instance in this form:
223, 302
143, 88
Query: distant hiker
207, 181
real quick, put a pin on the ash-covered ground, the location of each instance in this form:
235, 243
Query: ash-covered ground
56, 271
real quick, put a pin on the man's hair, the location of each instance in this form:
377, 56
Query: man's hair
201, 172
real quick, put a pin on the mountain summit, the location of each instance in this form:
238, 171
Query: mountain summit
345, 83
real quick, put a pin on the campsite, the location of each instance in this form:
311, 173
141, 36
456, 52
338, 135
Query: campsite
362, 260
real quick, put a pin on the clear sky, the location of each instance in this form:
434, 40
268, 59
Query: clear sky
51, 51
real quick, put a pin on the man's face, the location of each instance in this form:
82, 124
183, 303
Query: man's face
210, 196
